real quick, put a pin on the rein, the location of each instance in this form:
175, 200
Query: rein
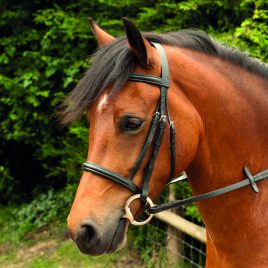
154, 138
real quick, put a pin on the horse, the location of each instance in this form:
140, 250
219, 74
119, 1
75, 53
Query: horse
214, 99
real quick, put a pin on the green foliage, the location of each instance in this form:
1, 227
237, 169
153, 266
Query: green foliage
51, 207
44, 55
254, 30
149, 243
202, 14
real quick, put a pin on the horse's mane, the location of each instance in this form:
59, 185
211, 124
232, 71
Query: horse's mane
112, 65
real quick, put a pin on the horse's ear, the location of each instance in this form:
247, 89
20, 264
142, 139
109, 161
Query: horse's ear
139, 45
102, 37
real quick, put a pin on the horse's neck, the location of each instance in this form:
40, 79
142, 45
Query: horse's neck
233, 105
233, 108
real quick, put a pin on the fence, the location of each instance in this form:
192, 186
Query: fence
185, 241
173, 241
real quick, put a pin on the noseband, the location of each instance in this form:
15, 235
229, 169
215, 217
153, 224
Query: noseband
154, 137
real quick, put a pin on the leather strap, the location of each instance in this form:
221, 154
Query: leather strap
172, 132
146, 145
164, 68
160, 81
101, 171
177, 203
150, 165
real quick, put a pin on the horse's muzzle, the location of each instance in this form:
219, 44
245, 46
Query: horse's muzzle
92, 241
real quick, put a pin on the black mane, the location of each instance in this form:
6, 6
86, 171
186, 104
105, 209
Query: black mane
112, 65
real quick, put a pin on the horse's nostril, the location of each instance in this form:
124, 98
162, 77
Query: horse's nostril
87, 234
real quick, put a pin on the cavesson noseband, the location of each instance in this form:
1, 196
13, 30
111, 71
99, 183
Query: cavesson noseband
154, 138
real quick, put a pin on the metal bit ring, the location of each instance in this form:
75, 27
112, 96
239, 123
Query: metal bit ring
128, 214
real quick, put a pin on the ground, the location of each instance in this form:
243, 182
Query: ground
45, 249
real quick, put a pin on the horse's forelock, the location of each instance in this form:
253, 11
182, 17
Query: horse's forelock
112, 65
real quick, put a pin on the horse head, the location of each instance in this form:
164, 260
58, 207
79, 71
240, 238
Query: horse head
120, 113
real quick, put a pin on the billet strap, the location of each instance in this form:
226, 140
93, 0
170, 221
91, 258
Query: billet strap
177, 203
101, 171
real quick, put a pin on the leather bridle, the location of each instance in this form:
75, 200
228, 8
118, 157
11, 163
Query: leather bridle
154, 138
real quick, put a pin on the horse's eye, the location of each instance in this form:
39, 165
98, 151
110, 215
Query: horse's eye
131, 123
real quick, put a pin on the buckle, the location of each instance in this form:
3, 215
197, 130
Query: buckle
251, 180
162, 121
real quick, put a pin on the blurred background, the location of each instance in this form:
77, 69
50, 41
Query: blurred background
45, 48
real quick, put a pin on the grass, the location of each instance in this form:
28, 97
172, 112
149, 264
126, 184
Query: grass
49, 247
49, 250
33, 236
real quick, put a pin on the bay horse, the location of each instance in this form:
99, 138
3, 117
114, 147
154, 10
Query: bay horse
217, 100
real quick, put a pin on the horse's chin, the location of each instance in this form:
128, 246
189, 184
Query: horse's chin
119, 238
